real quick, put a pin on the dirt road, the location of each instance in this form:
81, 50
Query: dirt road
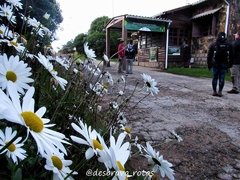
209, 126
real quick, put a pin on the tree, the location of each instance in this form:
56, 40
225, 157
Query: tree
68, 48
96, 35
79, 41
97, 39
98, 25
38, 8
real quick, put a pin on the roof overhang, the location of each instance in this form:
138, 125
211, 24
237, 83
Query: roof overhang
206, 13
133, 22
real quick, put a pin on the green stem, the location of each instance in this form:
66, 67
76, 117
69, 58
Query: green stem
60, 103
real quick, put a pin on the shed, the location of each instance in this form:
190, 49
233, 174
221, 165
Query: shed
150, 33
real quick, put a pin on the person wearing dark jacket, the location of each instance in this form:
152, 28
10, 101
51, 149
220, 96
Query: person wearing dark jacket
235, 70
186, 54
130, 56
219, 59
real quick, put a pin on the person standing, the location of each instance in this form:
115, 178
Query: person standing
121, 55
130, 55
218, 60
186, 54
235, 70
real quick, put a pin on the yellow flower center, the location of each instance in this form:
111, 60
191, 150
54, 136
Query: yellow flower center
11, 147
154, 177
57, 162
105, 86
14, 43
32, 121
97, 144
128, 130
1, 32
11, 76
120, 166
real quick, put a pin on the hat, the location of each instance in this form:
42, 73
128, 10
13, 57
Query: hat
120, 39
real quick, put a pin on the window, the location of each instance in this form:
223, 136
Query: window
176, 36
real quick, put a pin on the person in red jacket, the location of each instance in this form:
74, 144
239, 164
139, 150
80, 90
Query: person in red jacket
121, 56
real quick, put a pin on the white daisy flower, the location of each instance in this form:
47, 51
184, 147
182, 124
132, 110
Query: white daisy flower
29, 55
121, 79
40, 32
108, 77
75, 70
94, 70
118, 154
15, 71
159, 164
99, 108
46, 16
63, 62
16, 3
120, 93
5, 32
121, 119
33, 22
14, 150
23, 113
46, 63
7, 11
91, 139
58, 165
114, 105
99, 89
89, 52
150, 84
18, 46
127, 130
46, 31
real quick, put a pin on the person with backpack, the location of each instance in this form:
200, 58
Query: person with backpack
235, 70
219, 59
130, 56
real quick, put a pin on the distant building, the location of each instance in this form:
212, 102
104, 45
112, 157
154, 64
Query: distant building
161, 37
199, 24
150, 34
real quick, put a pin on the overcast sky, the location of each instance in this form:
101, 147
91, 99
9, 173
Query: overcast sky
79, 14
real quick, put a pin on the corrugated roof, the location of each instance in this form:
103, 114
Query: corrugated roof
180, 8
209, 12
115, 21
147, 18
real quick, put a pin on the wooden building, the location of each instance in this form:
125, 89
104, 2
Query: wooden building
198, 24
150, 33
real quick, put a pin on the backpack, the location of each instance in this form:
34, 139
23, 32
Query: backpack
221, 53
130, 53
130, 48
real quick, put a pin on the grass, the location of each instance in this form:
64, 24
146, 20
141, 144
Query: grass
195, 72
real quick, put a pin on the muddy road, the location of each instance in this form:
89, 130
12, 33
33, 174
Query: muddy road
209, 125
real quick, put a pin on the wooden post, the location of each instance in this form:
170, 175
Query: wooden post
107, 46
124, 37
